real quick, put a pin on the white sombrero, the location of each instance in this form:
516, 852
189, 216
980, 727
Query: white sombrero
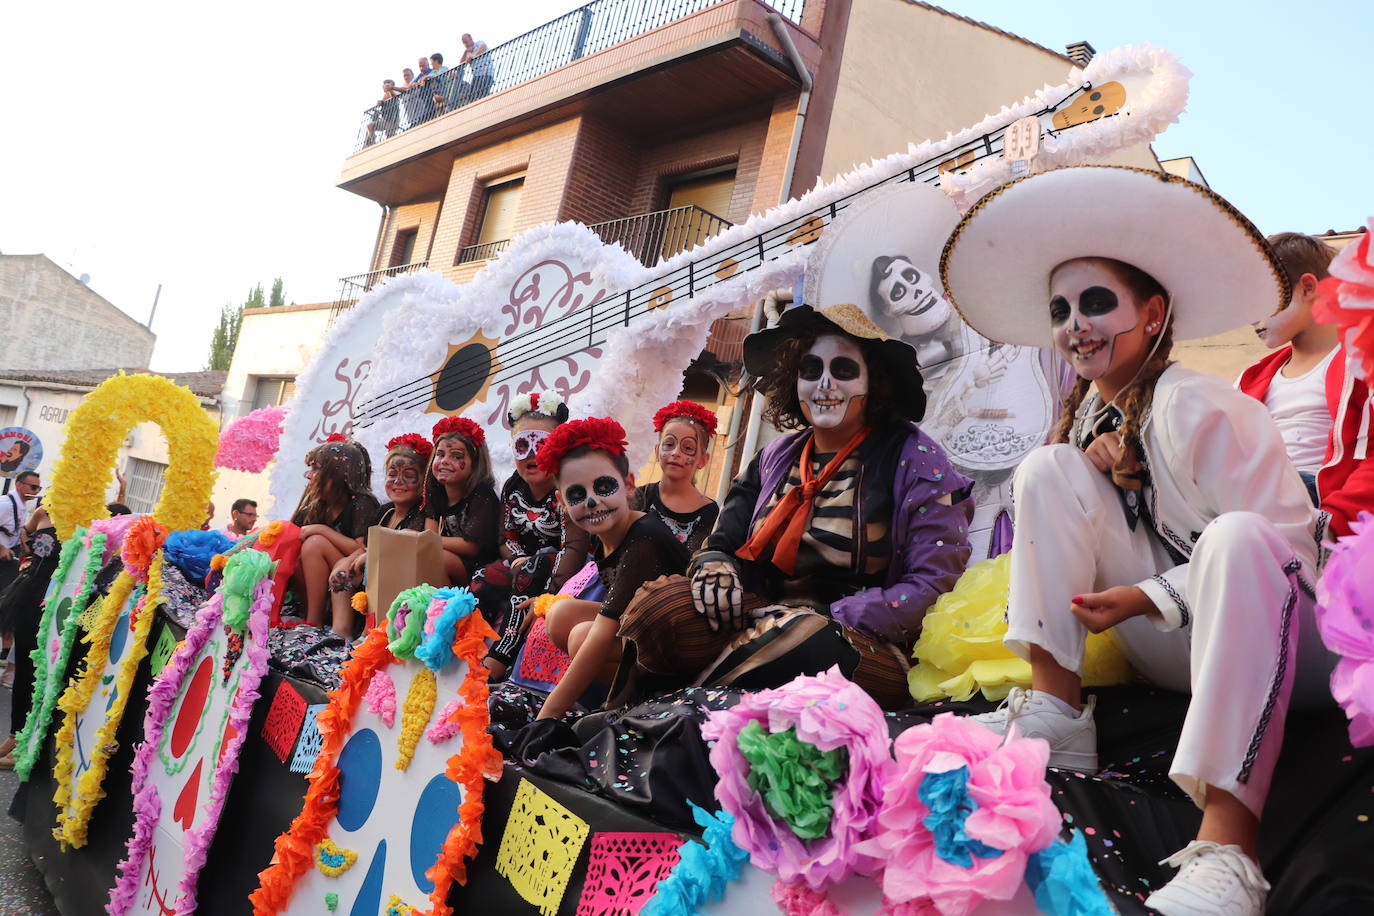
1216, 266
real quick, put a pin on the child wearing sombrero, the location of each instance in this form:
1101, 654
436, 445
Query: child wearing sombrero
1167, 511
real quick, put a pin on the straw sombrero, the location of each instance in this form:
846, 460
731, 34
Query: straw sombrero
761, 348
1216, 266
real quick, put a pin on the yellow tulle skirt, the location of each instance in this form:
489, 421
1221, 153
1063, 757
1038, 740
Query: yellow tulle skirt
960, 650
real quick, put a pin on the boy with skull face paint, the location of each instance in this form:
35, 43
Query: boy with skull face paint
836, 538
1168, 511
595, 487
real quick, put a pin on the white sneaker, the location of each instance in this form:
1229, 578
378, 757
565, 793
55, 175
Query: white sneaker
1212, 880
1072, 738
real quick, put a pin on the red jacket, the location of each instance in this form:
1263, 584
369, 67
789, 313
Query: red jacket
1345, 482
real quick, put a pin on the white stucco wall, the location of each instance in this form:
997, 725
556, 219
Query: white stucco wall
52, 320
276, 343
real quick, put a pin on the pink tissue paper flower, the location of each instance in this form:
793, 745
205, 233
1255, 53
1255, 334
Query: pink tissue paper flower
1345, 619
829, 711
250, 442
1014, 814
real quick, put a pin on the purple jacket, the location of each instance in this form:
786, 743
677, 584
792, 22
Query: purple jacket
930, 546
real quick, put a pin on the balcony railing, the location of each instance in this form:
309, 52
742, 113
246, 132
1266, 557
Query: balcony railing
648, 236
351, 289
662, 234
481, 252
586, 30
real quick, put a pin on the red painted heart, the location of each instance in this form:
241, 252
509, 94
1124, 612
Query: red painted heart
184, 813
192, 705
533, 514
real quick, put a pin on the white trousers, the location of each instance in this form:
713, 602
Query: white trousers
1250, 644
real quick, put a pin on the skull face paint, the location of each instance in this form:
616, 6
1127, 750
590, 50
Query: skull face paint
1090, 311
451, 463
596, 497
832, 381
905, 292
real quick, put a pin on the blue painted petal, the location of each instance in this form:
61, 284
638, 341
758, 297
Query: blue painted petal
369, 899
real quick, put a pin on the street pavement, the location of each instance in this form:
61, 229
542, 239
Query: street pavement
22, 892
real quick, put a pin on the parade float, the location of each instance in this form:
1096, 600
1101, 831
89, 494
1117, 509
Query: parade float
256, 784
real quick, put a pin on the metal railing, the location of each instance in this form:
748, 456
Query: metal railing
351, 289
650, 237
481, 252
595, 27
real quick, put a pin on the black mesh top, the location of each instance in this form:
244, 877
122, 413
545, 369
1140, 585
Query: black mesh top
477, 518
690, 528
649, 550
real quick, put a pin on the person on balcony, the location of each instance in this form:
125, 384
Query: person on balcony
386, 114
423, 103
836, 538
480, 66
414, 102
438, 85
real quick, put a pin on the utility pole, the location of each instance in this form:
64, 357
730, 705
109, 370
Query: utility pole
157, 295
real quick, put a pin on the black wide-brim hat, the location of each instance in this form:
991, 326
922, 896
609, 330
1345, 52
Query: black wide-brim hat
761, 348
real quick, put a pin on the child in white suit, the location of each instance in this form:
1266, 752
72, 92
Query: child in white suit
1168, 511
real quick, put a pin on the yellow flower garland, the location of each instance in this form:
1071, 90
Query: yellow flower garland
419, 706
97, 428
74, 810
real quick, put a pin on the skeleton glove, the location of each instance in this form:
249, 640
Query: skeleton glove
716, 591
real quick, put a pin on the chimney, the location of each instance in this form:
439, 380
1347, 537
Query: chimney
1080, 52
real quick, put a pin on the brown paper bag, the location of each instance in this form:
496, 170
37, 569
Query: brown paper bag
398, 560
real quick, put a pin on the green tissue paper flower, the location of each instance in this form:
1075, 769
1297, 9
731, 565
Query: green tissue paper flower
793, 776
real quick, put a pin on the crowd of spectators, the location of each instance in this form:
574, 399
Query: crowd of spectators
431, 90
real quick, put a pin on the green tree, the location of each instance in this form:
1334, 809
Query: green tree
278, 296
226, 336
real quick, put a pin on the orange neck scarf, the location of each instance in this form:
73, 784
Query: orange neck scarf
785, 525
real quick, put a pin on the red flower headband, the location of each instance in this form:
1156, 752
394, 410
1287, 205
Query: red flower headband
599, 433
685, 410
463, 427
336, 437
413, 441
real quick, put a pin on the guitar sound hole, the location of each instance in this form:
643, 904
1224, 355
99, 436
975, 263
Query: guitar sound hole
462, 377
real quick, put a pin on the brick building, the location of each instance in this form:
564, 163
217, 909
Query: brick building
658, 122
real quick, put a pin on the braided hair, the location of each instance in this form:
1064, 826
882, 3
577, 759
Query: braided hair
1134, 400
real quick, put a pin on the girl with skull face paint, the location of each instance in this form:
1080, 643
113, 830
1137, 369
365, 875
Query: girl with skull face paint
836, 538
595, 487
334, 514
539, 549
460, 497
404, 466
684, 431
1168, 511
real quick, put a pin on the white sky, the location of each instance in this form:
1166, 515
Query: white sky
198, 146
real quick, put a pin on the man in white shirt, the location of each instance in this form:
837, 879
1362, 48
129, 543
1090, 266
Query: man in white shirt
13, 514
483, 72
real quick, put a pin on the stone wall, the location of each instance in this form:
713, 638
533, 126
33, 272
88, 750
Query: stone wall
51, 320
